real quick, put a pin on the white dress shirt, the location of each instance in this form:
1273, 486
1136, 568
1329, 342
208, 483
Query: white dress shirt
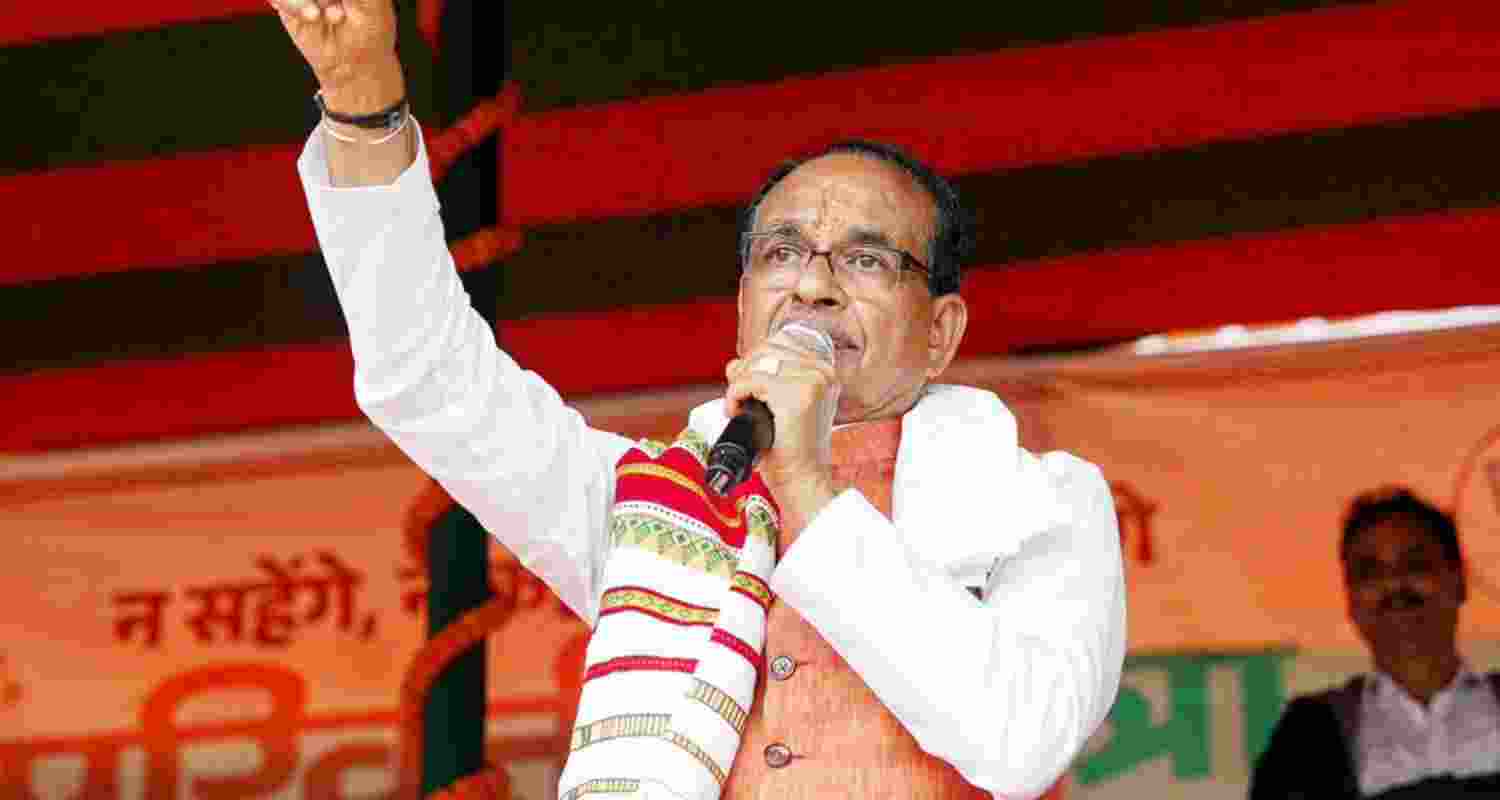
1007, 689
1401, 741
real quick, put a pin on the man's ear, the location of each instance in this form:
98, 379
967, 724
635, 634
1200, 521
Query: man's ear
950, 318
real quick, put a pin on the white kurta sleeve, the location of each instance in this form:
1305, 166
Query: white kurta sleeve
1007, 689
429, 374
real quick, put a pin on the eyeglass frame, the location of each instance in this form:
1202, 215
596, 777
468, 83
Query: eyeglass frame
909, 262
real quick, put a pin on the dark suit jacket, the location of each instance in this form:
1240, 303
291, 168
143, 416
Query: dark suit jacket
1311, 754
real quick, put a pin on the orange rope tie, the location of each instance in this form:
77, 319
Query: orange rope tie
485, 246
493, 243
483, 120
430, 23
469, 629
490, 783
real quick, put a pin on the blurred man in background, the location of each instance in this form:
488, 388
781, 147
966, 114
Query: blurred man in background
861, 666
1424, 724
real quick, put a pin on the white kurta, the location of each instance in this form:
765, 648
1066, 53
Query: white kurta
1006, 689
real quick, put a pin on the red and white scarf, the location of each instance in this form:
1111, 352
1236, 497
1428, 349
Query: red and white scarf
681, 626
677, 648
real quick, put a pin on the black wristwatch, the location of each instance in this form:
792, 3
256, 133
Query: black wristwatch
380, 120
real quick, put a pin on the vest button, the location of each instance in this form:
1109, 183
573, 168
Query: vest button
782, 667
778, 755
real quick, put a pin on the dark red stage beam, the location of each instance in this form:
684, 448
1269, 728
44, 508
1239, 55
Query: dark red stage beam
1423, 262
1176, 88
87, 17
182, 211
1169, 89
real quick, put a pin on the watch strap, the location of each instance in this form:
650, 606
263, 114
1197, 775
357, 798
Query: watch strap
384, 119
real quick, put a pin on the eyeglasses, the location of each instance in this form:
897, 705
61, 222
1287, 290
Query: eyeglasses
1369, 570
777, 261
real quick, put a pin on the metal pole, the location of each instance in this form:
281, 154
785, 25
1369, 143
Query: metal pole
472, 64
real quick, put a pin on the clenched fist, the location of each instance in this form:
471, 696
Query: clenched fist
351, 47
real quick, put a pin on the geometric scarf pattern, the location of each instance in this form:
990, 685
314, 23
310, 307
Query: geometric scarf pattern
672, 664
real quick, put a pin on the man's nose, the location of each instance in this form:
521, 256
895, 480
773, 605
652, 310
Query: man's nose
1387, 582
1394, 582
818, 286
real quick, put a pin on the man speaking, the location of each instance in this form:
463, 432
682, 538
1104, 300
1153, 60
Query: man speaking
898, 602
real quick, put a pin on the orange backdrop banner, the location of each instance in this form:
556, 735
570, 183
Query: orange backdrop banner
241, 638
243, 631
1232, 471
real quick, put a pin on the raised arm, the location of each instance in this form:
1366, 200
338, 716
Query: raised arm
427, 369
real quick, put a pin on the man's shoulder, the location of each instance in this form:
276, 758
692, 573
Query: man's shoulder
1062, 467
1315, 712
1065, 466
1310, 731
1335, 694
1334, 710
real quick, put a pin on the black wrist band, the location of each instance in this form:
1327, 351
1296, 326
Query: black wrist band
380, 120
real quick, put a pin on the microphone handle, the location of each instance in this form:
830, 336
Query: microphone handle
751, 432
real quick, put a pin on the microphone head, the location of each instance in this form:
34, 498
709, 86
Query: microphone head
814, 338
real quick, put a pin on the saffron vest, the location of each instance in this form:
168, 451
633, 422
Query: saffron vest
816, 730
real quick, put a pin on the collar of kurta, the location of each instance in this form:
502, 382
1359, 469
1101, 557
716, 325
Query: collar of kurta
965, 493
1383, 685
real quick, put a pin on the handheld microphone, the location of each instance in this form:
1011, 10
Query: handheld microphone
753, 430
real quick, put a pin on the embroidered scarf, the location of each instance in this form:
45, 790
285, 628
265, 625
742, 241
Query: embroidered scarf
672, 664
